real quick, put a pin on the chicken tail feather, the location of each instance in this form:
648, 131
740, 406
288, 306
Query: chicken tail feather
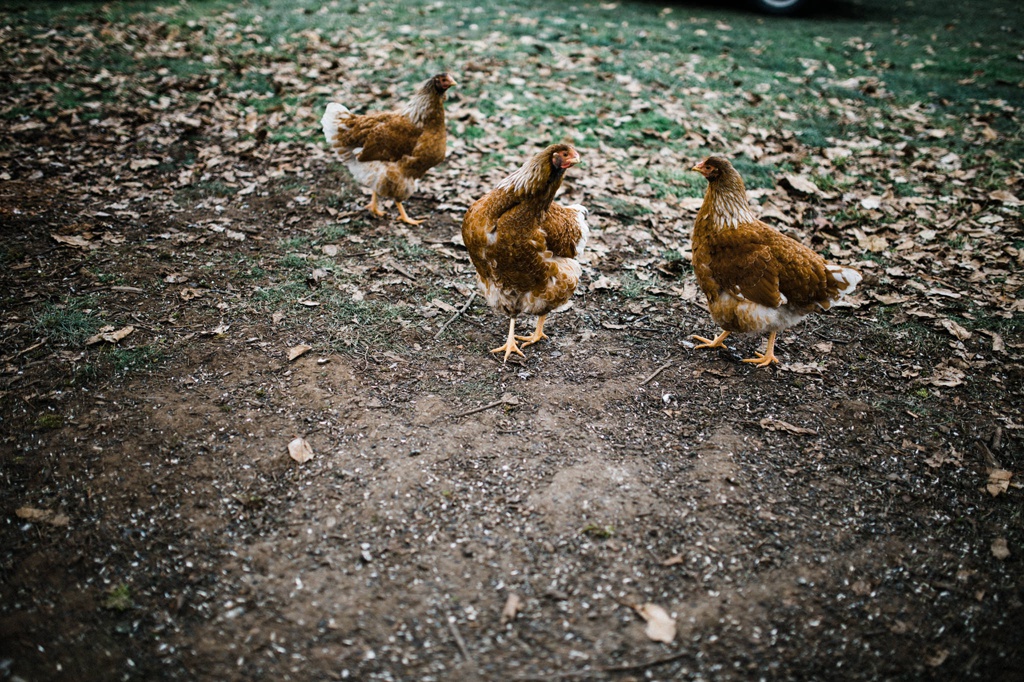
329, 122
846, 278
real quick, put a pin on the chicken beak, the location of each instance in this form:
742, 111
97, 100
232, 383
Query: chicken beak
572, 160
699, 168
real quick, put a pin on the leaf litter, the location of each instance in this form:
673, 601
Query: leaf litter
214, 169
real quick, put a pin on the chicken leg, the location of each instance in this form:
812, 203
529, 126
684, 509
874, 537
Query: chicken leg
710, 343
373, 207
404, 217
537, 335
766, 358
510, 346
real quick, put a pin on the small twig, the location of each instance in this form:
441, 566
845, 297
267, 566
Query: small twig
556, 676
658, 371
986, 454
453, 318
400, 270
458, 639
647, 664
480, 409
30, 348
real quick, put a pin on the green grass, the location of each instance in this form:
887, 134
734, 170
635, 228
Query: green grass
69, 323
119, 598
293, 261
633, 286
49, 421
334, 232
139, 358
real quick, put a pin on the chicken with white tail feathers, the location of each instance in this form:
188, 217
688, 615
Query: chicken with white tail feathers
390, 151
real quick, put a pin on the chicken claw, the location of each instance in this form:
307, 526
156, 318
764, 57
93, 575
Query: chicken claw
404, 217
510, 346
710, 343
537, 335
768, 357
373, 207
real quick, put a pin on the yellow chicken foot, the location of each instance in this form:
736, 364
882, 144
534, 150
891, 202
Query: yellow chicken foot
404, 217
537, 335
710, 343
373, 207
766, 358
510, 346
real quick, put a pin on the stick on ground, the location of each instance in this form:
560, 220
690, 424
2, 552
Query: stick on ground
453, 318
657, 372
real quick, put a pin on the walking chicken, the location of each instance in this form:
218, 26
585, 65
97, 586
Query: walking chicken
755, 278
390, 151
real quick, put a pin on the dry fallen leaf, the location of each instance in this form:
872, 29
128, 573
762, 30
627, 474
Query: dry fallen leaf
109, 335
803, 185
945, 376
661, 627
139, 164
1000, 550
956, 330
673, 560
1004, 196
801, 368
512, 607
71, 240
604, 282
447, 307
189, 293
998, 345
998, 481
42, 516
296, 351
300, 450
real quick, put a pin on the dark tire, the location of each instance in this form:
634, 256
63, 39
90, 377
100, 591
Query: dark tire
780, 7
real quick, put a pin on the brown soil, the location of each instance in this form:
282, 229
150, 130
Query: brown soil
857, 545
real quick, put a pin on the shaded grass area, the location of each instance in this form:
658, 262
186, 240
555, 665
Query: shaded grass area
956, 58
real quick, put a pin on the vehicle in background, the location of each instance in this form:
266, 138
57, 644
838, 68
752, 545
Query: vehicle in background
781, 7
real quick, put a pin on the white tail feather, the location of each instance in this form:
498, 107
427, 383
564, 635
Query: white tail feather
848, 278
581, 220
329, 122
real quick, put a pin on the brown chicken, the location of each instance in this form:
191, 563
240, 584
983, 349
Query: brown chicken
524, 246
390, 151
756, 279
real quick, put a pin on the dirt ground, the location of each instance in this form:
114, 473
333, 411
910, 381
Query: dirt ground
855, 513
807, 524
